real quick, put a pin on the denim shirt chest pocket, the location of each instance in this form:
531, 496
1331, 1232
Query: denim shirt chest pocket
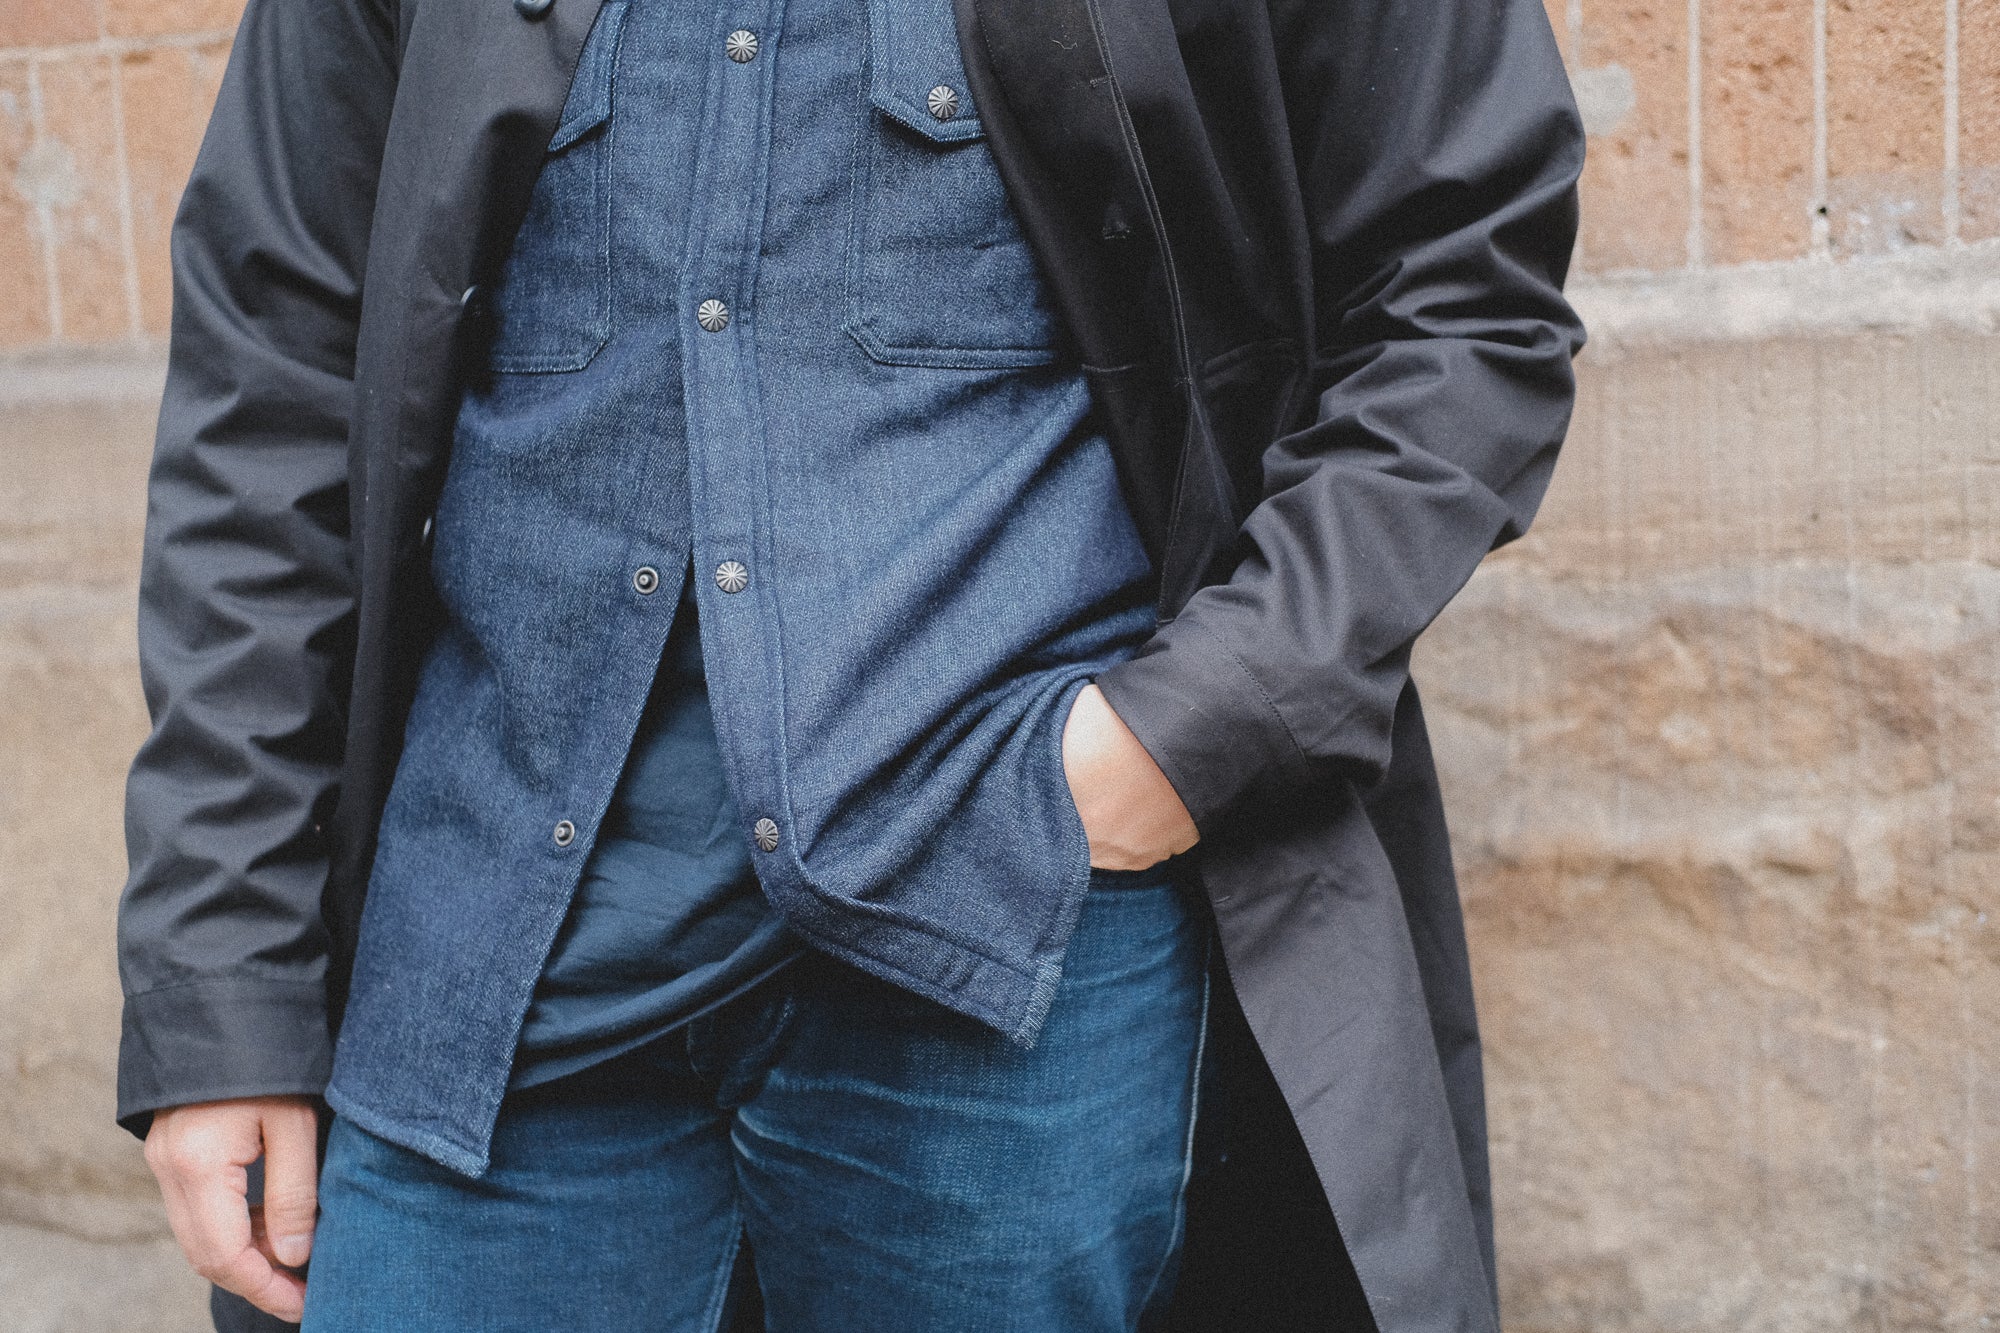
938, 271
551, 304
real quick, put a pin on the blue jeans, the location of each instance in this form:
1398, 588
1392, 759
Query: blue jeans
892, 1165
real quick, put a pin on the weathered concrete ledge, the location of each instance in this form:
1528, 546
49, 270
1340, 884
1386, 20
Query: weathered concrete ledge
1915, 291
122, 372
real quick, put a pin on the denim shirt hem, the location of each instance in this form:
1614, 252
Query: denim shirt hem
468, 1157
1013, 1002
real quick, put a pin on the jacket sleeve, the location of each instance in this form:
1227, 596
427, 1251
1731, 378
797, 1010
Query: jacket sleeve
1438, 149
245, 597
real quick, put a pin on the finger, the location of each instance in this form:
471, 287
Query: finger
291, 1181
273, 1290
222, 1251
260, 1239
216, 1200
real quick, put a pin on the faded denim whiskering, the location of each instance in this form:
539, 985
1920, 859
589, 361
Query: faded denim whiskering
887, 440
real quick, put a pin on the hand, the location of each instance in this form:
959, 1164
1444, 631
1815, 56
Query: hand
201, 1155
1131, 813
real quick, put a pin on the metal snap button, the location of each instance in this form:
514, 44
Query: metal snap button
741, 46
943, 102
731, 576
712, 315
646, 580
765, 831
565, 833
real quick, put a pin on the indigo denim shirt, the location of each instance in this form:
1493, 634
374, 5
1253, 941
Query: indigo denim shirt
769, 310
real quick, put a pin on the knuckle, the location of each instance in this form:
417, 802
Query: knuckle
289, 1199
184, 1159
164, 1158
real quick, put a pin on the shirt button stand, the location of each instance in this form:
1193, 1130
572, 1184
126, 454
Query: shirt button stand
712, 315
765, 831
565, 833
731, 576
741, 46
646, 580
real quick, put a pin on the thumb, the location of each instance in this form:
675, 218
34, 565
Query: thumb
291, 1181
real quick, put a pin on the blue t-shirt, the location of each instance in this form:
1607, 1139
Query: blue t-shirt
668, 920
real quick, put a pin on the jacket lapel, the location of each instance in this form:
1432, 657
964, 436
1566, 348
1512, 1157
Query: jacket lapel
479, 95
1064, 148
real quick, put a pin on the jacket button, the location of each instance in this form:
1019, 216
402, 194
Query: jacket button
765, 831
533, 9
565, 833
741, 46
646, 580
731, 576
943, 102
712, 315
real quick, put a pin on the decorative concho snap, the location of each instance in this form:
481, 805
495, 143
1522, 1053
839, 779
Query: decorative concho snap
731, 576
943, 102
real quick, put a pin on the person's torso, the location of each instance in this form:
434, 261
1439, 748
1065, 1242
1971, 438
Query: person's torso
768, 311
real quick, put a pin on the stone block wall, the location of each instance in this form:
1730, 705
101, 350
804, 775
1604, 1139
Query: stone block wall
1721, 741
1719, 735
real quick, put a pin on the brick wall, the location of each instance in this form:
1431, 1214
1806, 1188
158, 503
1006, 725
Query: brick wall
102, 104
1732, 131
1723, 132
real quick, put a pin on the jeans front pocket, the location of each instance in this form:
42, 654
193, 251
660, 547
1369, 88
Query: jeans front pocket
939, 273
551, 304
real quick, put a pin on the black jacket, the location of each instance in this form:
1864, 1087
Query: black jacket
1310, 254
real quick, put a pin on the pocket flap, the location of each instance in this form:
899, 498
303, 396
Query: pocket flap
913, 53
589, 102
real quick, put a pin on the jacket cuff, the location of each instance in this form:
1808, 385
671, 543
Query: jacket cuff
1208, 724
218, 1038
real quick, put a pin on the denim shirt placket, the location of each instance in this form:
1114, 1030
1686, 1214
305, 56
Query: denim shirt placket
732, 549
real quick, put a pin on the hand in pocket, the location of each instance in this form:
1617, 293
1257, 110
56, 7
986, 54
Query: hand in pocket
1132, 815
